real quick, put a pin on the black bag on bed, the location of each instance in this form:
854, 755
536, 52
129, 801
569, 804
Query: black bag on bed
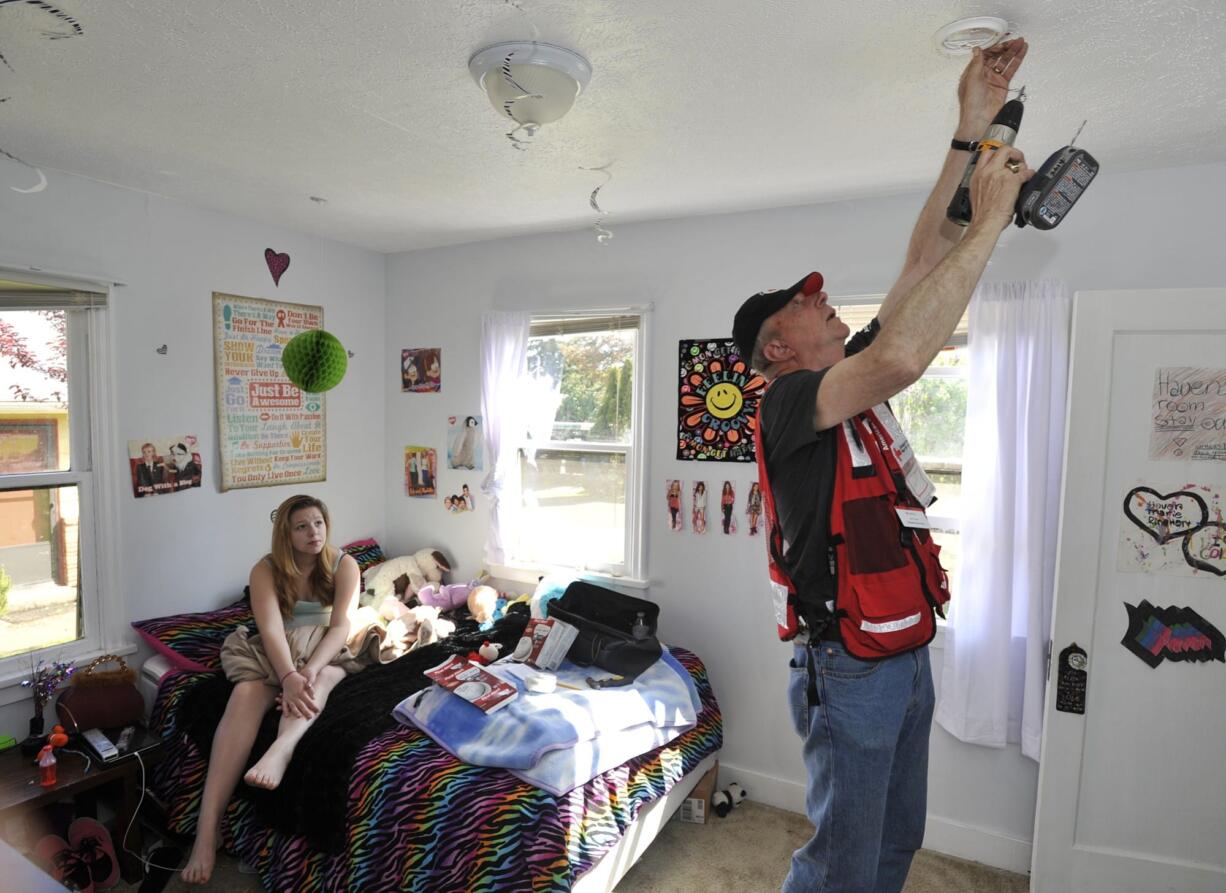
607, 622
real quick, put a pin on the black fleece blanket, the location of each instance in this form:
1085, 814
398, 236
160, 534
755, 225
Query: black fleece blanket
312, 798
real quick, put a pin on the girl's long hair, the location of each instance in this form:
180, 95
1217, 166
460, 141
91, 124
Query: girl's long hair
285, 572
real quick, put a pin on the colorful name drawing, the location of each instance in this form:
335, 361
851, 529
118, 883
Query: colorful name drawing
1178, 634
718, 402
270, 431
1189, 414
1178, 530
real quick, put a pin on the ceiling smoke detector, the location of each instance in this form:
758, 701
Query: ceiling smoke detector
530, 83
961, 37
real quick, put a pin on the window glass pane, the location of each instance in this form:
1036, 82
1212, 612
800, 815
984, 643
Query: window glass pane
933, 413
39, 579
949, 494
594, 374
575, 509
33, 391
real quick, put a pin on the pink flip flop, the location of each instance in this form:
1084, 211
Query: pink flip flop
92, 844
60, 860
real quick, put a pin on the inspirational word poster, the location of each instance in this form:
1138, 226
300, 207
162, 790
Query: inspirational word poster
1173, 530
270, 432
1189, 414
717, 403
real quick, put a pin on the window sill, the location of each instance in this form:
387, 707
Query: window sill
532, 575
11, 691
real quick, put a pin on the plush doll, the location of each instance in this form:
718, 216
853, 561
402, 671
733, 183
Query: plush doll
431, 565
415, 626
724, 800
482, 602
444, 596
407, 575
486, 654
449, 596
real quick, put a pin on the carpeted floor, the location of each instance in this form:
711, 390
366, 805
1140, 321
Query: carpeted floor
746, 852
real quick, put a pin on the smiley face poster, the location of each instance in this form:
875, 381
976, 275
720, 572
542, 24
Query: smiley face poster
717, 403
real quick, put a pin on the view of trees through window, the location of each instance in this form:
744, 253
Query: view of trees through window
596, 373
933, 412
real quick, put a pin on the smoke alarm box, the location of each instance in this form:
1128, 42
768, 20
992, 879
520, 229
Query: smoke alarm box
697, 807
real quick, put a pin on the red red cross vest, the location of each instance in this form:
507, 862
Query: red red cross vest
890, 583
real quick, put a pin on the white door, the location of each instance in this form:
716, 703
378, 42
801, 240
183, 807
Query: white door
1132, 793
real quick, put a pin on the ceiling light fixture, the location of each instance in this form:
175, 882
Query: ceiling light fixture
961, 37
531, 83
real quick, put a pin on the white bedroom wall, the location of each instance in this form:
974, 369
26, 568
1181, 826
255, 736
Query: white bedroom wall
1152, 228
193, 550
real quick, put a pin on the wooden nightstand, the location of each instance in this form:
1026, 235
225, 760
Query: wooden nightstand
121, 778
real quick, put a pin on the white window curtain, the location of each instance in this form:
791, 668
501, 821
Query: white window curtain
995, 646
504, 348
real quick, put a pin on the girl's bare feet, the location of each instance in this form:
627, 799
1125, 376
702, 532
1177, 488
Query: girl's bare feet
268, 772
199, 867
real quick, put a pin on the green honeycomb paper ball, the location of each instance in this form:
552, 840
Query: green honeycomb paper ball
315, 361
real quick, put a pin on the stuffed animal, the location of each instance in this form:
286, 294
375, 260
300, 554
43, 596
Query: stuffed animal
415, 626
724, 800
482, 602
406, 575
486, 654
449, 596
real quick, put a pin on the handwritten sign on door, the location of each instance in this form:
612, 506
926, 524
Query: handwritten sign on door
1188, 414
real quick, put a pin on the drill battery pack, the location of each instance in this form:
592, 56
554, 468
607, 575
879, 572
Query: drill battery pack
1047, 197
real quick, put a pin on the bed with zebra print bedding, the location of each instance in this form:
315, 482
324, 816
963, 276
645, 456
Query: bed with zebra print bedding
408, 815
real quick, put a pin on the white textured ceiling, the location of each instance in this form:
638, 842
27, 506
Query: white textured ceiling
252, 106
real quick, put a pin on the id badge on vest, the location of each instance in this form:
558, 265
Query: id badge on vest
918, 482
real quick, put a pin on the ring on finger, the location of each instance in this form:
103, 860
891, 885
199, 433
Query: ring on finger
1014, 166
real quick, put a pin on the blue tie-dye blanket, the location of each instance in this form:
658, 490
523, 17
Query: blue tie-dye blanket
565, 738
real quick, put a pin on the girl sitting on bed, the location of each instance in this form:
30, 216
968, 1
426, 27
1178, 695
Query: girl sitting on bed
302, 594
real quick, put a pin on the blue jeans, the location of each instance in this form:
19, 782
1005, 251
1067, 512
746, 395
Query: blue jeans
866, 755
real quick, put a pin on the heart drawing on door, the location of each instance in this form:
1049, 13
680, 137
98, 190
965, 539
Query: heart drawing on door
1165, 516
1205, 548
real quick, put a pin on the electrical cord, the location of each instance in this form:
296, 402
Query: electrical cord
123, 843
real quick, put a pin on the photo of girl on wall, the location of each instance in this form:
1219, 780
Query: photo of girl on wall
420, 470
674, 505
727, 499
753, 508
421, 369
698, 514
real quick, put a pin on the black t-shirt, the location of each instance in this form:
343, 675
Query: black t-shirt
801, 466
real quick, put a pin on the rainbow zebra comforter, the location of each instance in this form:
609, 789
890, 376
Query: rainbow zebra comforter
417, 819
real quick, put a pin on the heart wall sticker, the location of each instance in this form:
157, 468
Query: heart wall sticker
277, 264
1165, 516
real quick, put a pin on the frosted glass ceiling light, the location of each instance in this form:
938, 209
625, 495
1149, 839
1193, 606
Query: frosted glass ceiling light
530, 83
961, 37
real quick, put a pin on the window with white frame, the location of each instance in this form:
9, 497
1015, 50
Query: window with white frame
52, 393
580, 449
932, 412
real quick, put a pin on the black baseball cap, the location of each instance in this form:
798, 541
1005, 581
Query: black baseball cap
765, 304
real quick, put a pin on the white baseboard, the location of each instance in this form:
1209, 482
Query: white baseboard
952, 838
941, 835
